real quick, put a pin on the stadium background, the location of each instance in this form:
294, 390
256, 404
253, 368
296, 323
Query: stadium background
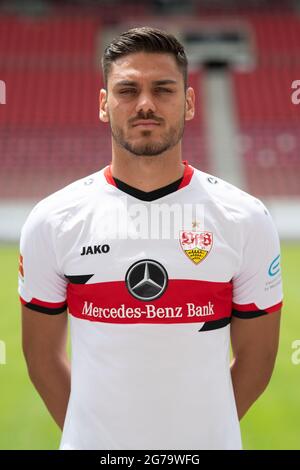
244, 61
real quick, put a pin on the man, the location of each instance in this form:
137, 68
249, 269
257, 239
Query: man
152, 309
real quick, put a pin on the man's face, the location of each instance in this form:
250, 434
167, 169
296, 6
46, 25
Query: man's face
146, 103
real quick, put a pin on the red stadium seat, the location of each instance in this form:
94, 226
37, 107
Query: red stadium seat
50, 130
269, 125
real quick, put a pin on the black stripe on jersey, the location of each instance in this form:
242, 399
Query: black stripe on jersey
214, 325
46, 310
246, 315
148, 195
82, 279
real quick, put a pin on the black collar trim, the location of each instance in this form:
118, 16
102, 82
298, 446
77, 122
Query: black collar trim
148, 195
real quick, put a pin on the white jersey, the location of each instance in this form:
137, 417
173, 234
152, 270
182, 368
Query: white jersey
150, 313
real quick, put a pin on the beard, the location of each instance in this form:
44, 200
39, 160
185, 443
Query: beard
149, 149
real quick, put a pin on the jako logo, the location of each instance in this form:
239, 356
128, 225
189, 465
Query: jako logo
95, 249
2, 92
274, 266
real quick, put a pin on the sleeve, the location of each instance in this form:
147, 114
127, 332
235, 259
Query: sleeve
257, 287
42, 287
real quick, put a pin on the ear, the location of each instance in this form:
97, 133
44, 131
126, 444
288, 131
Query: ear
103, 113
189, 104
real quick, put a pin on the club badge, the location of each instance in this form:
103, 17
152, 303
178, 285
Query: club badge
196, 245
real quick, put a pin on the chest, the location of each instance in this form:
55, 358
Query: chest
186, 242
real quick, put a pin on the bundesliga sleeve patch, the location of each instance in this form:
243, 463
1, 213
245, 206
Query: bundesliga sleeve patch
21, 268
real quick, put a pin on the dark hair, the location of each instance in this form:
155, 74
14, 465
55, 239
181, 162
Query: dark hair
144, 39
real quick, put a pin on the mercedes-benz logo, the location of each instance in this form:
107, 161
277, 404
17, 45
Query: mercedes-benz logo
146, 279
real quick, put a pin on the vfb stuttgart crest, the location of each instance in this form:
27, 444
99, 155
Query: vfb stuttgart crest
196, 245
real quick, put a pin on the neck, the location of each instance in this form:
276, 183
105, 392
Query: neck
147, 173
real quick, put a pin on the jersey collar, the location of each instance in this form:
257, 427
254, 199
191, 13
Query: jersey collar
187, 175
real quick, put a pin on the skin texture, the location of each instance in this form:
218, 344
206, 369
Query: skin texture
254, 345
147, 157
44, 339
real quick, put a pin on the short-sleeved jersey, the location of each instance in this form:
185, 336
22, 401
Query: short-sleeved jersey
150, 310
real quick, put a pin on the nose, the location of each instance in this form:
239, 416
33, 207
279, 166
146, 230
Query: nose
145, 104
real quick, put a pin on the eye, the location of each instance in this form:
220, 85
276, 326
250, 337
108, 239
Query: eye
128, 91
163, 90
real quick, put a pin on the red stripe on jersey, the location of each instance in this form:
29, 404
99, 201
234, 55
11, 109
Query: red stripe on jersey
185, 301
253, 307
274, 308
108, 176
41, 303
187, 175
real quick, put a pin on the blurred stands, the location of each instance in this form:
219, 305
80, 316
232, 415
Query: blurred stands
50, 132
49, 128
269, 123
269, 130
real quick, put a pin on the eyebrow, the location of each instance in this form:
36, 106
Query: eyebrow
155, 82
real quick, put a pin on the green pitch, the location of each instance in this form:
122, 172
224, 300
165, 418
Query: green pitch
272, 423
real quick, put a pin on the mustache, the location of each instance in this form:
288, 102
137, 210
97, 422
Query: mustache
144, 116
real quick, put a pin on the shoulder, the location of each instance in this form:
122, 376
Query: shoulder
52, 211
234, 203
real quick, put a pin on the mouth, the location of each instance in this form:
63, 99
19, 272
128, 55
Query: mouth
146, 123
